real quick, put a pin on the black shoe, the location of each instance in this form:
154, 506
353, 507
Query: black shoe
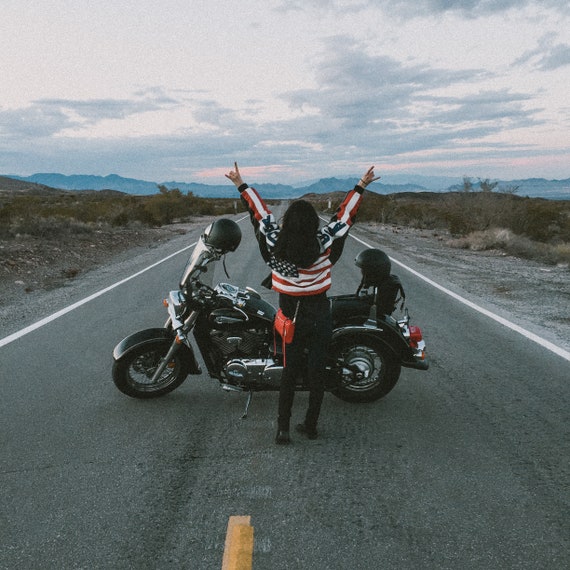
282, 437
311, 433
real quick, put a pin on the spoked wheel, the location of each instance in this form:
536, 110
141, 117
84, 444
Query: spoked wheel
133, 373
368, 370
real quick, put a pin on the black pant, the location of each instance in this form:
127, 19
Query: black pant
313, 332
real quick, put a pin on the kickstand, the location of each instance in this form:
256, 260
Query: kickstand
247, 403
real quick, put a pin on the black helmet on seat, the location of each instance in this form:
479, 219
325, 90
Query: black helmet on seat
223, 234
375, 266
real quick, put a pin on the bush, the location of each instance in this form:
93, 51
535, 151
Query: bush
513, 244
47, 228
462, 213
51, 214
528, 227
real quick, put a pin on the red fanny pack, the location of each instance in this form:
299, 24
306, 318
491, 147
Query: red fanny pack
285, 328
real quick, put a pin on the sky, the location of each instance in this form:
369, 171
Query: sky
294, 90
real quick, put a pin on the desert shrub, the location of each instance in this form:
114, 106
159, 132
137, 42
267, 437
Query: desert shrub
53, 215
532, 228
206, 209
121, 219
171, 205
462, 213
466, 212
141, 214
562, 252
543, 220
48, 227
383, 209
513, 244
416, 215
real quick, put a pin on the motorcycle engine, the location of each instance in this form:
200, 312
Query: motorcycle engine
258, 371
237, 343
248, 362
239, 332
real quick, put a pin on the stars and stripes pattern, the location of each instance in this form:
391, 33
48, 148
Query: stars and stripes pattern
283, 267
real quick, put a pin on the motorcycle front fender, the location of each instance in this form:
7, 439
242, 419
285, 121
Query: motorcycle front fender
153, 335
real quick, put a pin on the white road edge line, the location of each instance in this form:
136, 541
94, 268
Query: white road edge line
531, 336
65, 310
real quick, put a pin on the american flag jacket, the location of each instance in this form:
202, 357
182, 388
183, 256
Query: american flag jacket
286, 277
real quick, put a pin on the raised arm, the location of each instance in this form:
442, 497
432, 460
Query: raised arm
368, 178
263, 221
235, 176
335, 232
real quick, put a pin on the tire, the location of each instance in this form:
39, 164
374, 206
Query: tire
380, 368
132, 374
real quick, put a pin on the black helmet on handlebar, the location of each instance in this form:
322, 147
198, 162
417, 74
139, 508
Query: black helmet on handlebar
223, 234
375, 266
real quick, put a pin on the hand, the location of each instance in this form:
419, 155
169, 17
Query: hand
368, 178
235, 176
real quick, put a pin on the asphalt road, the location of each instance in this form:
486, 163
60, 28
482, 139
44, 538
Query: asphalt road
464, 466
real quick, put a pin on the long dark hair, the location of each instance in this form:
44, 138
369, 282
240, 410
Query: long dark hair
297, 241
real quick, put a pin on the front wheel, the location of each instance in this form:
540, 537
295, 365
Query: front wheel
369, 370
133, 372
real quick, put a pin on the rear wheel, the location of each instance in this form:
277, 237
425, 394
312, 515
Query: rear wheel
133, 373
369, 370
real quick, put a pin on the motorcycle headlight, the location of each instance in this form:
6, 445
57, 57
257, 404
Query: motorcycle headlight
178, 302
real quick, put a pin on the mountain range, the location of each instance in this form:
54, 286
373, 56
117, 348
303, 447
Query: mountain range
531, 187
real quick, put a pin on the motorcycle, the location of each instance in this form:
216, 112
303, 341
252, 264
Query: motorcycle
232, 328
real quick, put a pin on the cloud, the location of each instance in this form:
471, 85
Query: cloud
362, 104
420, 8
336, 6
357, 89
36, 121
211, 114
469, 8
547, 56
49, 117
559, 56
365, 99
493, 108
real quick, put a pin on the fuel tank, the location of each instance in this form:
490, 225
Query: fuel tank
240, 307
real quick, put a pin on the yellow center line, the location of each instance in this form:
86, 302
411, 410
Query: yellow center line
238, 551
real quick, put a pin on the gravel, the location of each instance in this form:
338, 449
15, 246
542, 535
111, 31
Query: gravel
41, 277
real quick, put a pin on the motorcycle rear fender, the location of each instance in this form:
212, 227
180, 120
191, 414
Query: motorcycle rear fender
383, 333
153, 335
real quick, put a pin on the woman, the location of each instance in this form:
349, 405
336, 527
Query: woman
301, 256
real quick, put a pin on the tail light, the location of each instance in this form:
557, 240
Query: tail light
415, 336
